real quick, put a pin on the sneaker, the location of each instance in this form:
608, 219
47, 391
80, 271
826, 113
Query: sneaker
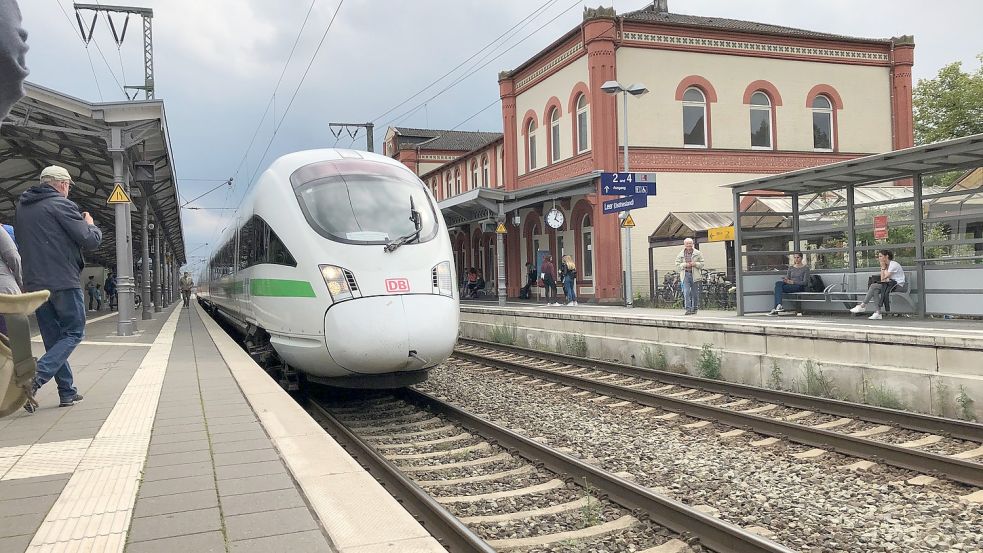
689, 312
71, 401
876, 316
859, 308
574, 303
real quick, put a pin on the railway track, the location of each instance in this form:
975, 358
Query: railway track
853, 429
480, 487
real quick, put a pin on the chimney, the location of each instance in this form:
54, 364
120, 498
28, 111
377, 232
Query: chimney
661, 6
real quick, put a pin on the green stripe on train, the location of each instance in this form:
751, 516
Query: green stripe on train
281, 288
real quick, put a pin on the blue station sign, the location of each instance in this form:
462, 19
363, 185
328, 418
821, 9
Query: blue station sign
624, 204
628, 184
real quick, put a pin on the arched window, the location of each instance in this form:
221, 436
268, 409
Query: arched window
433, 187
474, 175
484, 171
457, 181
555, 134
582, 143
761, 121
587, 240
822, 124
532, 145
694, 118
447, 185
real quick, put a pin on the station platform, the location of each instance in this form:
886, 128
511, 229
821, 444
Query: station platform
928, 364
184, 444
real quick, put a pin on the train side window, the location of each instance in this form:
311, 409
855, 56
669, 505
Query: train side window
279, 254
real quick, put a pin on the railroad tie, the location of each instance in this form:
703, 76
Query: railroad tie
762, 409
971, 454
622, 523
872, 431
922, 442
833, 424
859, 466
798, 416
546, 486
671, 546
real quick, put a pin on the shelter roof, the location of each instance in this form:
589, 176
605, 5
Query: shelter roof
460, 141
685, 224
50, 128
956, 154
487, 204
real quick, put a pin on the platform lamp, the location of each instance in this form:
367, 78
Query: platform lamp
637, 89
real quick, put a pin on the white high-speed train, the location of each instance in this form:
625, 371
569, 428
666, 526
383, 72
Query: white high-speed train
338, 266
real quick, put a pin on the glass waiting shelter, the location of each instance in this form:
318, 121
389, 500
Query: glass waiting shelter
925, 204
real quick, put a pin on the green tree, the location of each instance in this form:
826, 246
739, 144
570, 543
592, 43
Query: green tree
950, 105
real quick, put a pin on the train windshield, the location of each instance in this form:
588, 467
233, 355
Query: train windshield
364, 202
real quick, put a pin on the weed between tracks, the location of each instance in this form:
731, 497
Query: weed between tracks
590, 514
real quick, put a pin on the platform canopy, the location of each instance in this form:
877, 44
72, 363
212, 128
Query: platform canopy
490, 204
50, 128
680, 225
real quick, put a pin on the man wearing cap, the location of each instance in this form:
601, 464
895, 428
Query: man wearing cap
51, 234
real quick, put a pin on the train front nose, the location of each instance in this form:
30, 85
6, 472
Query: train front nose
377, 334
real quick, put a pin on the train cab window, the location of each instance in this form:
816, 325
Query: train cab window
364, 202
259, 244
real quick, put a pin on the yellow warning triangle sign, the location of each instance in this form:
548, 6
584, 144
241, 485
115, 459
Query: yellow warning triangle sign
628, 222
501, 229
118, 196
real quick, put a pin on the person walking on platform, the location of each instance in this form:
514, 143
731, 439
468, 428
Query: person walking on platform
186, 285
110, 288
796, 278
52, 233
689, 263
549, 280
568, 272
93, 292
13, 50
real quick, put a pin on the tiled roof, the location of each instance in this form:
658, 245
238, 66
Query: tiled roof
459, 141
651, 15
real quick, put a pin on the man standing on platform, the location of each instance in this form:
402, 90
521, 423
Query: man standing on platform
690, 263
186, 285
52, 233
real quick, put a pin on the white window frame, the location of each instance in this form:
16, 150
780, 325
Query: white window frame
703, 106
474, 175
587, 231
771, 123
531, 145
485, 175
457, 182
582, 109
828, 112
555, 151
448, 185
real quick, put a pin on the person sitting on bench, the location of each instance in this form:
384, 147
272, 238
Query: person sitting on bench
796, 278
526, 291
471, 284
891, 278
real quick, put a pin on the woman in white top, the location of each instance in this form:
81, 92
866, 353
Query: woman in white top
892, 278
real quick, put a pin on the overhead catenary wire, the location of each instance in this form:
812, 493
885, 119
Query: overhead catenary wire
486, 63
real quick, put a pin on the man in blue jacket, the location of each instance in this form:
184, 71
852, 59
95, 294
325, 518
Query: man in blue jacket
52, 233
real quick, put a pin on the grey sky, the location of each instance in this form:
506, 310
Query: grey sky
217, 62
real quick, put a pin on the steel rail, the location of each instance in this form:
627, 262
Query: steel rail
921, 461
713, 533
445, 527
955, 428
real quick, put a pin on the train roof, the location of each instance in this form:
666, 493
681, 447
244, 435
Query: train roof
290, 162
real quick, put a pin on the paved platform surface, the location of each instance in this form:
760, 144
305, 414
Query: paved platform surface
972, 329
164, 454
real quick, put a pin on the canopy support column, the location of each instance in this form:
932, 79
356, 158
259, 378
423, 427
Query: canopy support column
795, 222
125, 321
145, 258
919, 244
738, 255
158, 275
851, 224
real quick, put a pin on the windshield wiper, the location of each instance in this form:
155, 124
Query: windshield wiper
417, 222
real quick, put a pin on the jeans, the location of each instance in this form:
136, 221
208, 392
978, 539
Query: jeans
781, 288
96, 299
691, 292
550, 288
879, 292
61, 320
568, 289
186, 294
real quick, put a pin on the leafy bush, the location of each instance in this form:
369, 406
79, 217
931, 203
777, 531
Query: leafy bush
965, 405
656, 360
709, 362
504, 334
775, 380
881, 396
817, 383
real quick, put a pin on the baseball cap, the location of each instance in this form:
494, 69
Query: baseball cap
56, 172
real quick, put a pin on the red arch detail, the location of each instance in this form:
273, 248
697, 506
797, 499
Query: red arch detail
578, 89
825, 90
766, 87
553, 102
699, 82
530, 114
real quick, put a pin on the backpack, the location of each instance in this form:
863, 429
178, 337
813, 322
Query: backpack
815, 284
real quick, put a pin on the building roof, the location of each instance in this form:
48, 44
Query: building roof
436, 139
650, 14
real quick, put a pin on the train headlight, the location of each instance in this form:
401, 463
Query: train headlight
443, 281
337, 282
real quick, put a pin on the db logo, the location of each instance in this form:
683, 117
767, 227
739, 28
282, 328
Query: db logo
394, 285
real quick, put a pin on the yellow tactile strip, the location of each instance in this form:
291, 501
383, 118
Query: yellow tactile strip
93, 511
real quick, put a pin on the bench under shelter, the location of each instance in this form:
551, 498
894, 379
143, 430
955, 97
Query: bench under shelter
925, 204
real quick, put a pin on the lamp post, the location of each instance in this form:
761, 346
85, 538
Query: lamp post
637, 89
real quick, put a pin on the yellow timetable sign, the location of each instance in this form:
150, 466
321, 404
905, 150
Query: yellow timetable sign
720, 234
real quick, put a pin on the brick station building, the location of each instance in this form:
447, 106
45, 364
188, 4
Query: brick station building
728, 100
